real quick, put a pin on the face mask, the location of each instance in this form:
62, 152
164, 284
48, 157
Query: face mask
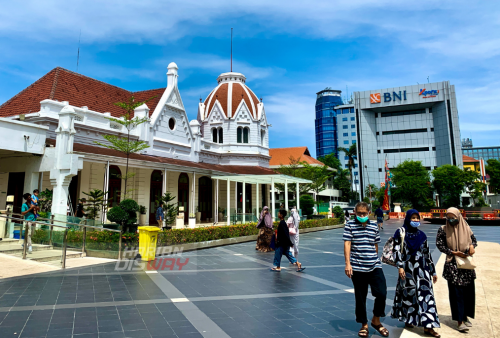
452, 221
415, 224
362, 219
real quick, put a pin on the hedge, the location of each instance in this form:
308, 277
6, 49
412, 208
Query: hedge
106, 240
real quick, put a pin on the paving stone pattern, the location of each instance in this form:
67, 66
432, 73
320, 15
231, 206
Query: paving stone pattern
221, 292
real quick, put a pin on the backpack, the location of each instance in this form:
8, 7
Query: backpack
388, 251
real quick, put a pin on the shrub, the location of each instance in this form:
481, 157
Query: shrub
107, 240
306, 204
127, 215
338, 212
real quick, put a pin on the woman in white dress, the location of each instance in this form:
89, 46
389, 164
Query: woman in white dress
293, 228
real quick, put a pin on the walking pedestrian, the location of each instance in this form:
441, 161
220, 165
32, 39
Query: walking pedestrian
27, 211
380, 218
266, 233
79, 208
283, 245
293, 229
414, 302
347, 216
159, 215
362, 265
456, 239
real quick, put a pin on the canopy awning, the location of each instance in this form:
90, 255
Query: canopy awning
263, 179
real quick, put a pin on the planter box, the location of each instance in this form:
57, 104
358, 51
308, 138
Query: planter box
179, 223
192, 223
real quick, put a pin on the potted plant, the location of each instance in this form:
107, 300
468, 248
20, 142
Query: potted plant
142, 215
192, 220
221, 214
198, 214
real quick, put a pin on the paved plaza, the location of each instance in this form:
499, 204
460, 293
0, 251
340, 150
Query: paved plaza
220, 292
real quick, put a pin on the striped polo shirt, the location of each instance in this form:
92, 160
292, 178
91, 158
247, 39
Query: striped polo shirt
364, 257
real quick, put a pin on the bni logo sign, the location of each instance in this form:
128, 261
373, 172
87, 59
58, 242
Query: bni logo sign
375, 98
428, 93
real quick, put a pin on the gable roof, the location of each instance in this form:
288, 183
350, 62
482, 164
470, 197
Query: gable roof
281, 156
64, 85
468, 159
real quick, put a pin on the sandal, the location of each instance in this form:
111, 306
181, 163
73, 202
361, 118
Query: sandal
363, 332
432, 333
381, 329
275, 270
409, 326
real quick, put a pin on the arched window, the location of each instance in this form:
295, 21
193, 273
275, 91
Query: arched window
262, 138
246, 131
239, 133
214, 135
221, 138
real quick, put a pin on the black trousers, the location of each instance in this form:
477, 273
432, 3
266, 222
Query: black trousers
376, 280
462, 301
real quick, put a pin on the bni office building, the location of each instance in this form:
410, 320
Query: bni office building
418, 122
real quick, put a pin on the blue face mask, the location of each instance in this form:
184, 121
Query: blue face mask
415, 224
362, 219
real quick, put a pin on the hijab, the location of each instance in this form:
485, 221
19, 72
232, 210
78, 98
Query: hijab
414, 237
268, 221
458, 237
296, 218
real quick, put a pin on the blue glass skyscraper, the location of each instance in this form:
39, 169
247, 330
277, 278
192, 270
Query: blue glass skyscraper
326, 121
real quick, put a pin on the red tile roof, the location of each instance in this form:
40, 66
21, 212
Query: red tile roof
281, 156
239, 94
79, 90
468, 159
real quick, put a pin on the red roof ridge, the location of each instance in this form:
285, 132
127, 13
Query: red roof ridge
466, 158
147, 90
93, 79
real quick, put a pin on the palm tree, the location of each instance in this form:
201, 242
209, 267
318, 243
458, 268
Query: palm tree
352, 154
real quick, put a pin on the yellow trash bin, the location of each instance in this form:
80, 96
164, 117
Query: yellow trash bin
148, 236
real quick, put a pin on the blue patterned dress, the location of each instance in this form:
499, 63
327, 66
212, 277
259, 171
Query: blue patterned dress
414, 301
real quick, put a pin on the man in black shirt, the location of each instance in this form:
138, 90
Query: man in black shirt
283, 244
79, 208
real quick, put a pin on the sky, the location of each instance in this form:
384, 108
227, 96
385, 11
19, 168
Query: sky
288, 50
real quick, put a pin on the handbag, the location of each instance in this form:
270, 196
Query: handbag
388, 251
291, 228
466, 263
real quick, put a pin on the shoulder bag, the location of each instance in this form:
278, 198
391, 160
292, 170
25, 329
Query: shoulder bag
466, 263
388, 251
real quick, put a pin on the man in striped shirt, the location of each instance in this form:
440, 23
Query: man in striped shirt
362, 265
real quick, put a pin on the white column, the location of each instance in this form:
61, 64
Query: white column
236, 200
244, 202
272, 197
192, 208
286, 195
217, 199
257, 200
298, 197
164, 187
106, 190
228, 213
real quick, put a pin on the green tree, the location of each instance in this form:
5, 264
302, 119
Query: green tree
125, 145
450, 181
371, 190
170, 211
352, 154
317, 175
493, 170
294, 169
341, 182
95, 203
45, 200
412, 183
331, 161
306, 204
124, 213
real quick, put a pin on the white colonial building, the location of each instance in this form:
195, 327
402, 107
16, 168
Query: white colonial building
217, 165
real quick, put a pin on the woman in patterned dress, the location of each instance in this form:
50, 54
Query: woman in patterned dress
414, 302
266, 233
455, 238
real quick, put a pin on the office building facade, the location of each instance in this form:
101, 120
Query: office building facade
335, 126
485, 153
418, 122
